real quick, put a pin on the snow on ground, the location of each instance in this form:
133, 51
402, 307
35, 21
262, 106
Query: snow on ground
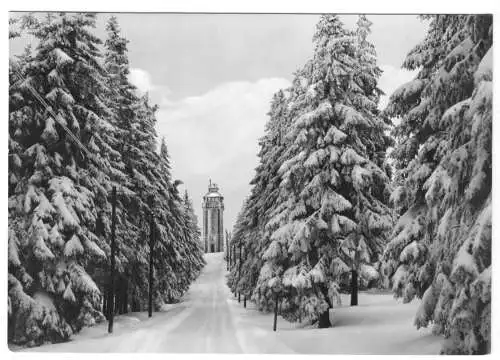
380, 325
210, 319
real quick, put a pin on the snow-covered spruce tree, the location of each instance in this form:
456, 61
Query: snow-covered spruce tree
120, 99
59, 211
276, 149
441, 246
182, 250
193, 234
168, 248
233, 278
245, 239
175, 266
367, 243
178, 257
272, 199
335, 190
250, 228
265, 263
149, 177
245, 268
20, 303
248, 233
192, 218
151, 188
134, 119
54, 203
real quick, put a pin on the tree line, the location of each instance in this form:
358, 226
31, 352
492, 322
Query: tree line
78, 128
346, 197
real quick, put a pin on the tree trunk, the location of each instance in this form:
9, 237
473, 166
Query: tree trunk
300, 308
135, 304
354, 287
119, 292
151, 251
118, 299
124, 295
125, 299
109, 304
112, 272
119, 296
324, 319
105, 305
275, 312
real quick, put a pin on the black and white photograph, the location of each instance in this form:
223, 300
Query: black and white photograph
249, 182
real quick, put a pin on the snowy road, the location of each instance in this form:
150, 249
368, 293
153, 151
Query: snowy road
210, 320
202, 323
206, 323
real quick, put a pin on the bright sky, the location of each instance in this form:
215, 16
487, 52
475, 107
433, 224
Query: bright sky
214, 75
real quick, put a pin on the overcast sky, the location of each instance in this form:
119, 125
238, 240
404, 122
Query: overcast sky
214, 76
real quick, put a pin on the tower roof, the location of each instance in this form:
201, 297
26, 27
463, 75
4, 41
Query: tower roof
213, 190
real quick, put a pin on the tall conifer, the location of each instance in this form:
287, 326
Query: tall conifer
441, 247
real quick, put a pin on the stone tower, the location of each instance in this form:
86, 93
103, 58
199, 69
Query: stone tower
213, 207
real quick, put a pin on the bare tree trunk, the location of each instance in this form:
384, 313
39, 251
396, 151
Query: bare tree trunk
112, 270
125, 298
275, 312
105, 305
118, 298
324, 318
136, 306
354, 287
151, 252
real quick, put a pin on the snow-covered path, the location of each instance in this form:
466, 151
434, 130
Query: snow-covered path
202, 323
207, 325
210, 320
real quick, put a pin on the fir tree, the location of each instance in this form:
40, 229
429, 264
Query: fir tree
318, 210
250, 230
367, 243
441, 246
131, 204
336, 192
59, 210
58, 191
